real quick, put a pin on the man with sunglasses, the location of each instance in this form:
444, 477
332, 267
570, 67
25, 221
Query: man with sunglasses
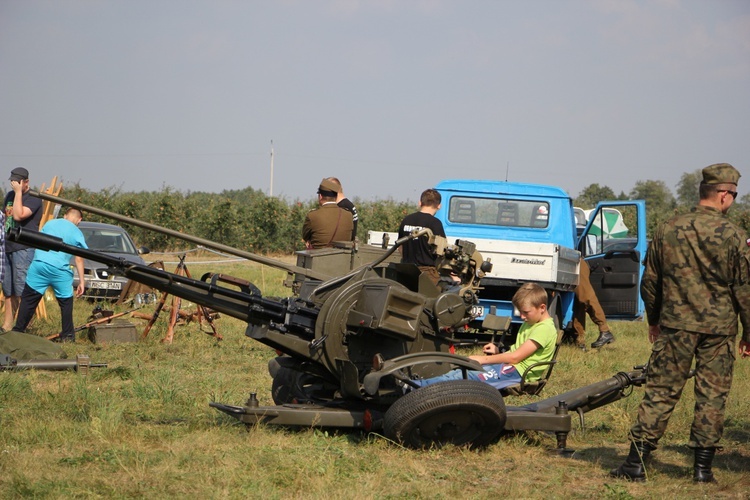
695, 285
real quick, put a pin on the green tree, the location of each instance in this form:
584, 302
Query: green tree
687, 188
293, 232
660, 202
381, 215
268, 221
593, 194
246, 196
739, 212
166, 209
221, 223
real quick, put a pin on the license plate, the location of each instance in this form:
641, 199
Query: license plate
106, 285
477, 311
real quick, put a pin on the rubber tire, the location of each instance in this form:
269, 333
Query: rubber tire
459, 412
292, 386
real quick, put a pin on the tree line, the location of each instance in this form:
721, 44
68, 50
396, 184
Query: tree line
661, 204
246, 219
250, 220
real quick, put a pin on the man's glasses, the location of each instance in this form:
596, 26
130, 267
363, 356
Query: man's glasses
733, 193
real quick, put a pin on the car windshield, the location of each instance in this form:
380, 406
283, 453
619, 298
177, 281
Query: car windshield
499, 212
108, 240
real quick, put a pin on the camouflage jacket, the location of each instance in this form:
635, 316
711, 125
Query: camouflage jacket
697, 275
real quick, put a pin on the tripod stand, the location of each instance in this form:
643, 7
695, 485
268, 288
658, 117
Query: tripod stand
203, 312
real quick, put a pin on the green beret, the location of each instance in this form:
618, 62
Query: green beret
720, 173
328, 186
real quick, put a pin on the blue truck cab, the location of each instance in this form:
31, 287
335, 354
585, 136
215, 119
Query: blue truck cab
528, 232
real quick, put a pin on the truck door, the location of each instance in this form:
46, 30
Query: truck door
614, 245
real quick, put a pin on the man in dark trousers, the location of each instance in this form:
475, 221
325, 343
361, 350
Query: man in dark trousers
696, 283
52, 269
329, 222
24, 211
418, 251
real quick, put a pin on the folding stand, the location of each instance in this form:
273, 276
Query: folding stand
203, 312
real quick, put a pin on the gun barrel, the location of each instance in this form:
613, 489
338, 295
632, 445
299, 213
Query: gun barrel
47, 364
592, 396
81, 364
186, 237
242, 303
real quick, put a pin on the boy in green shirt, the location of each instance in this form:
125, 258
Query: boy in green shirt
535, 343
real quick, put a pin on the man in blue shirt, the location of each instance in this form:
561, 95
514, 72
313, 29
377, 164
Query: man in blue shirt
52, 268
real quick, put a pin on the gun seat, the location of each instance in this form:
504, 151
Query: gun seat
534, 387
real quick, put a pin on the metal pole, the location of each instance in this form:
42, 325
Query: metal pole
270, 192
186, 237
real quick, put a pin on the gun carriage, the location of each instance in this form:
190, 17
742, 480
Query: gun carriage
350, 344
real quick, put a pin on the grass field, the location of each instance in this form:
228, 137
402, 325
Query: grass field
142, 427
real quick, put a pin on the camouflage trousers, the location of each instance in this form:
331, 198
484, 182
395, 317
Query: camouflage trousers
669, 368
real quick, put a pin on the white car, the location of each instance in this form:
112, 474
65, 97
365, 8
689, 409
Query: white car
111, 240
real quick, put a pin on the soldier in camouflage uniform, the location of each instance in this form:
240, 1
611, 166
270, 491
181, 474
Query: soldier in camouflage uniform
696, 283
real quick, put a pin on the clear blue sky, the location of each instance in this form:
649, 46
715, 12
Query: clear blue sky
390, 96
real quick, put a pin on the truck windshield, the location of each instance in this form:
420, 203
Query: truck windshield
499, 212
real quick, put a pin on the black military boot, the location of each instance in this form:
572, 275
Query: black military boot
702, 468
634, 468
604, 339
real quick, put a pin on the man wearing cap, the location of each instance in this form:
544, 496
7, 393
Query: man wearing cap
24, 211
329, 222
346, 204
695, 285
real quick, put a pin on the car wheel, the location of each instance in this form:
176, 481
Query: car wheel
459, 412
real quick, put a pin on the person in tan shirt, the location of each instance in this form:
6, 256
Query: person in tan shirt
329, 222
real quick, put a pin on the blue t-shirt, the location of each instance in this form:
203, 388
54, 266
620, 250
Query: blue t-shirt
70, 234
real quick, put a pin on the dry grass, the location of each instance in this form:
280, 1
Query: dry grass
142, 428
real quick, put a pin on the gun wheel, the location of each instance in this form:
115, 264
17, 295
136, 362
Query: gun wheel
459, 412
292, 386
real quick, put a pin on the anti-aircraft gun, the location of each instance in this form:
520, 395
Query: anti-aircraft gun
350, 343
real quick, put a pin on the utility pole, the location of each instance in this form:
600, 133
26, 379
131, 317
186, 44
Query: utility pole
270, 191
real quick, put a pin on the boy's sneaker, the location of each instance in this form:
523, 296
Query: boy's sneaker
403, 386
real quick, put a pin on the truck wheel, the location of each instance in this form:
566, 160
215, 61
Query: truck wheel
292, 386
459, 412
